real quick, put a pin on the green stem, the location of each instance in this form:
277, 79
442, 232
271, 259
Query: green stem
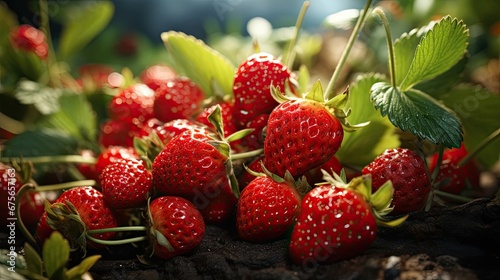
60, 159
247, 154
289, 55
64, 186
117, 229
493, 136
116, 242
24, 230
390, 46
329, 92
455, 197
438, 166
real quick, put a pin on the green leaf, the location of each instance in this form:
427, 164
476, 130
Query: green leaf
316, 93
360, 147
76, 117
55, 256
404, 51
40, 142
85, 23
76, 272
418, 113
199, 62
477, 108
441, 48
33, 260
44, 99
304, 78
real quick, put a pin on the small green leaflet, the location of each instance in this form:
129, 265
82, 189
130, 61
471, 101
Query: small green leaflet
44, 99
76, 117
200, 63
440, 48
360, 147
84, 24
55, 256
418, 113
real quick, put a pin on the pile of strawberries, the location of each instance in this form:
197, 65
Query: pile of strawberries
264, 159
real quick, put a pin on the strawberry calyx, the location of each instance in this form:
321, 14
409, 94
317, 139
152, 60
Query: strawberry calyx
380, 200
336, 105
148, 147
64, 218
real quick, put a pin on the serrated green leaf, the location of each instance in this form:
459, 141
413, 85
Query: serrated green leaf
199, 62
404, 51
441, 48
76, 117
360, 147
44, 99
55, 256
40, 142
418, 113
477, 108
85, 23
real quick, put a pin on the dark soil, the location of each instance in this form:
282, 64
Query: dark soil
461, 242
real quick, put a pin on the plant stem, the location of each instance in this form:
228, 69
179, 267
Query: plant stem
479, 147
455, 197
24, 230
117, 229
289, 55
438, 166
247, 154
53, 159
64, 186
390, 46
116, 242
329, 92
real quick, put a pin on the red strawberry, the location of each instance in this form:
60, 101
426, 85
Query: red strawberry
113, 154
316, 176
255, 140
267, 208
252, 84
170, 129
301, 135
227, 117
216, 208
133, 104
31, 205
156, 75
118, 133
336, 222
176, 226
458, 176
190, 164
179, 98
126, 184
409, 177
88, 170
94, 76
90, 212
28, 38
245, 177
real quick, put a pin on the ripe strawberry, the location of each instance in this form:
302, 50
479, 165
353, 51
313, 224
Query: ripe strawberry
176, 226
179, 98
190, 164
255, 140
156, 75
126, 183
245, 177
301, 135
170, 129
31, 206
75, 211
337, 221
94, 76
28, 38
409, 177
88, 170
252, 84
267, 208
216, 208
316, 176
117, 133
133, 104
113, 154
458, 177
